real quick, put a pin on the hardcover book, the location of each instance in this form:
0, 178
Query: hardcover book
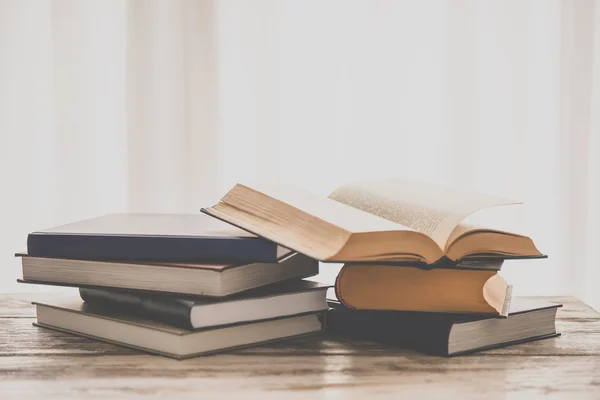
153, 237
446, 334
389, 287
389, 220
274, 301
79, 318
215, 280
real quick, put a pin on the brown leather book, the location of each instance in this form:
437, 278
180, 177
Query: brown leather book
389, 287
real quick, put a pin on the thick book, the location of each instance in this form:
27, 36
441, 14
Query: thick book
445, 334
390, 220
215, 280
388, 287
273, 301
80, 318
153, 237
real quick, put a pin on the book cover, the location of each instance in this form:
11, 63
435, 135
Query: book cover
153, 237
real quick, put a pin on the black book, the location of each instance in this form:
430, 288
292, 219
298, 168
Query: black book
273, 301
153, 237
444, 334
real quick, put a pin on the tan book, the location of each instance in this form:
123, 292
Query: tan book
389, 287
389, 220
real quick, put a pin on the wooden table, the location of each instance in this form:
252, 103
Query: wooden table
41, 364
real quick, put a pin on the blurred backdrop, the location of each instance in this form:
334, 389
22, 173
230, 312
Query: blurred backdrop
161, 106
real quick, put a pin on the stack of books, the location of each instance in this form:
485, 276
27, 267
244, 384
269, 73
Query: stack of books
420, 265
417, 272
174, 285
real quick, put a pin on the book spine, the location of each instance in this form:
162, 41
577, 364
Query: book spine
218, 250
408, 330
338, 288
157, 308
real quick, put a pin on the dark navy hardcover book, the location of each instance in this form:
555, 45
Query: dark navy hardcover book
445, 334
153, 237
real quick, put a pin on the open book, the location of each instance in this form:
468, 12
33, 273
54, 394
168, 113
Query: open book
390, 220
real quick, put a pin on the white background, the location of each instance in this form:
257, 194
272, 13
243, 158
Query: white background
160, 106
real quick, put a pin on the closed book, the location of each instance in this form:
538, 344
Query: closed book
82, 319
214, 280
274, 301
451, 290
446, 334
153, 237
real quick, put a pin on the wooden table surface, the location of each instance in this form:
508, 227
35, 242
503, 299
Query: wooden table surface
40, 364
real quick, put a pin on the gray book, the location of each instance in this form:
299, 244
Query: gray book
82, 319
215, 280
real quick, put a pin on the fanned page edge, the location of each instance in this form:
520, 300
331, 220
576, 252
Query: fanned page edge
223, 211
221, 216
328, 211
428, 257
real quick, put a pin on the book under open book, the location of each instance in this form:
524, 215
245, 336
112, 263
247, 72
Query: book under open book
387, 287
446, 334
389, 220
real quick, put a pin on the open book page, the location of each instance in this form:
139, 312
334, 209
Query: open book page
341, 215
507, 220
434, 210
461, 229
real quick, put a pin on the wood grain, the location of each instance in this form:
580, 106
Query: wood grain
577, 339
37, 363
572, 308
301, 377
19, 305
